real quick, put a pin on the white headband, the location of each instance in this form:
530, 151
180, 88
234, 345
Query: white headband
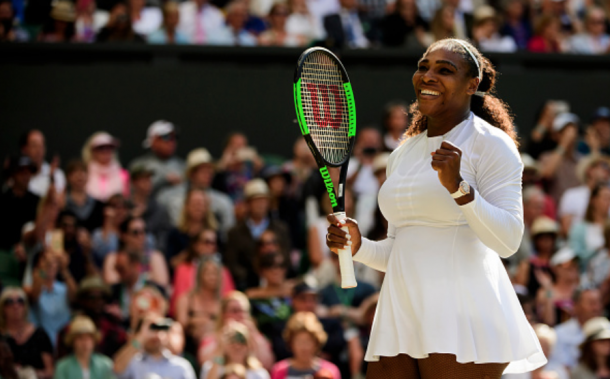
476, 61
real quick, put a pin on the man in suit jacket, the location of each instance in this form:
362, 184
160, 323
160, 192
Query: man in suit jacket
242, 239
344, 29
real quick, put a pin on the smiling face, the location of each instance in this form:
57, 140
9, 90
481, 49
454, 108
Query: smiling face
443, 83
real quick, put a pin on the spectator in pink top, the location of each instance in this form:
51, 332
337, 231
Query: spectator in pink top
305, 336
204, 245
106, 176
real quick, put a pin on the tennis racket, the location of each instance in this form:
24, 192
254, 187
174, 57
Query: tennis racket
326, 113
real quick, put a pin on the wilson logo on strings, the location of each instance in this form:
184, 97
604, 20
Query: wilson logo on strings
324, 118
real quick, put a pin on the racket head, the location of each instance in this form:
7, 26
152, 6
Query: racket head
325, 106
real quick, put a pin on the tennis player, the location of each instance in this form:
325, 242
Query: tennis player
447, 309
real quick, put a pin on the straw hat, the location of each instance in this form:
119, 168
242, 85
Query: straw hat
93, 283
81, 325
63, 11
597, 328
585, 163
256, 188
197, 157
544, 224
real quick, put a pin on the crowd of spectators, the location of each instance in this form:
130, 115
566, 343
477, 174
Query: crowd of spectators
541, 26
218, 268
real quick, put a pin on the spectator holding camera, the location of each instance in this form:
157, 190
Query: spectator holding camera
89, 211
32, 144
235, 348
147, 353
83, 362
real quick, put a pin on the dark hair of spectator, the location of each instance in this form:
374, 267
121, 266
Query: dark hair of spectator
590, 207
25, 136
67, 213
587, 356
488, 107
7, 363
75, 165
191, 254
124, 228
580, 291
132, 256
390, 107
437, 26
230, 137
543, 22
270, 260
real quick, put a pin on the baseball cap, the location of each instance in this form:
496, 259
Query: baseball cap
157, 128
104, 139
256, 188
563, 255
198, 157
302, 288
140, 170
562, 120
601, 112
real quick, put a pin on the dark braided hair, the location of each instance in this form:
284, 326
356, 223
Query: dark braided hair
491, 109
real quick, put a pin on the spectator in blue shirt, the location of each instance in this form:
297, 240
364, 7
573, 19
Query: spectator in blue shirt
168, 33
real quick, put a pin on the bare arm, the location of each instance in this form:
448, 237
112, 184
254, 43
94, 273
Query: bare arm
158, 267
109, 273
313, 247
47, 371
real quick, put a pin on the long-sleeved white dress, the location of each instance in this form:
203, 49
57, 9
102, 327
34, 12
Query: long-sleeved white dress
445, 289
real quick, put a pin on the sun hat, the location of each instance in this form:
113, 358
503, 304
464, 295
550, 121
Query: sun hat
542, 225
197, 157
256, 188
81, 325
597, 328
63, 11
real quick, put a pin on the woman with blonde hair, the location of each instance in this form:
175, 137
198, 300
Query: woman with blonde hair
196, 216
198, 310
305, 336
236, 307
106, 175
236, 347
30, 345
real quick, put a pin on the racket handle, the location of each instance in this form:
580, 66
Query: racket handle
348, 278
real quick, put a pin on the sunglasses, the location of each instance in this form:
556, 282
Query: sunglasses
269, 242
207, 242
169, 137
137, 232
14, 300
275, 265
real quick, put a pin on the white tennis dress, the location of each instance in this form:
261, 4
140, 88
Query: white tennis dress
445, 289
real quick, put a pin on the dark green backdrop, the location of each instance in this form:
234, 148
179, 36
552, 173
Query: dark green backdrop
70, 91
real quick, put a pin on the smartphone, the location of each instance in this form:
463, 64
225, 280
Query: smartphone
57, 241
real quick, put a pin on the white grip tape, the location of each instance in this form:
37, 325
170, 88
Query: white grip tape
348, 278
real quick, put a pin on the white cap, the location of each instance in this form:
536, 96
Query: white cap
157, 128
256, 188
565, 254
103, 139
564, 119
529, 162
197, 157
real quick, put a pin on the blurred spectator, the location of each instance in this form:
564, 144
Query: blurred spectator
271, 301
594, 359
531, 179
51, 298
486, 32
203, 247
199, 309
84, 361
150, 299
148, 353
161, 139
92, 301
10, 31
105, 239
234, 32
89, 20
196, 216
598, 269
558, 167
236, 348
371, 13
133, 241
569, 23
144, 205
32, 145
241, 246
305, 336
119, 28
236, 307
239, 163
404, 26
106, 176
302, 22
277, 34
593, 171
321, 8
463, 20
283, 205
144, 20
395, 120
60, 25
597, 137
76, 245
548, 338
554, 298
587, 304
516, 23
17, 201
89, 212
200, 173
541, 137
442, 25
8, 368
379, 228
344, 29
595, 39
587, 236
30, 345
168, 34
198, 19
547, 36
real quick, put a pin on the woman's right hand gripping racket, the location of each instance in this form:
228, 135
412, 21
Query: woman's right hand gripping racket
326, 113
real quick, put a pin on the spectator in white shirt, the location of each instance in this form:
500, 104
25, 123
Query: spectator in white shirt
485, 32
592, 171
587, 304
234, 32
198, 19
595, 39
277, 34
32, 145
144, 20
302, 21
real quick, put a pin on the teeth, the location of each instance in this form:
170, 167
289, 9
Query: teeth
428, 92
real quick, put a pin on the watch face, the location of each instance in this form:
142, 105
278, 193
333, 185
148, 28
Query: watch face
465, 187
